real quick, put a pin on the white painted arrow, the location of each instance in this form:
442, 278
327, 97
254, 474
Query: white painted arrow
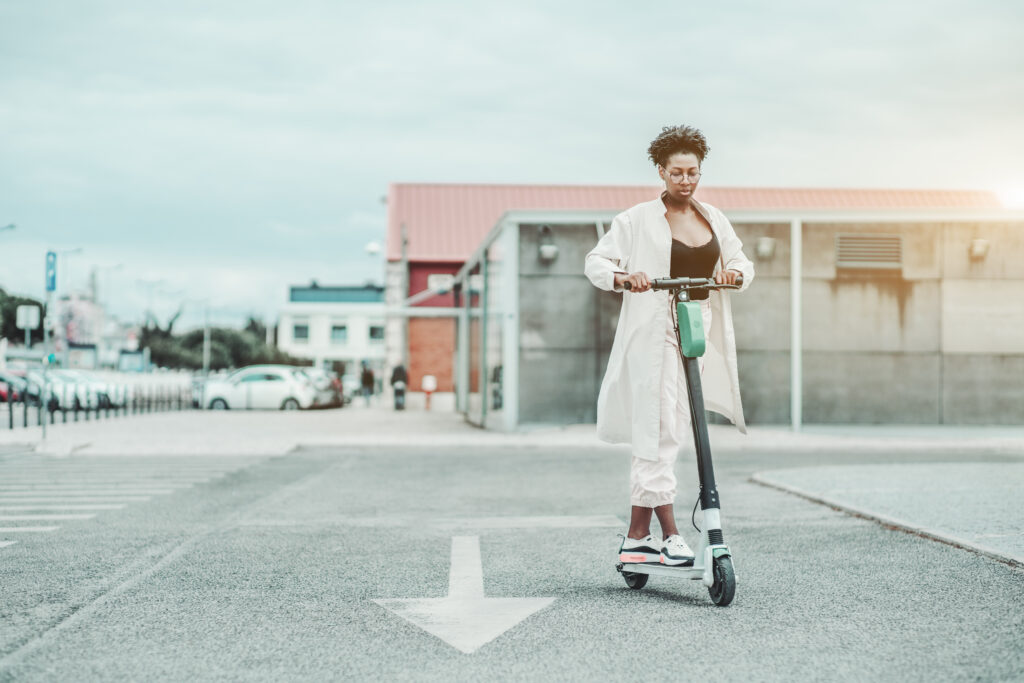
465, 619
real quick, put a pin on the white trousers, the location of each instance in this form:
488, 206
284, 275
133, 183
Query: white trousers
653, 482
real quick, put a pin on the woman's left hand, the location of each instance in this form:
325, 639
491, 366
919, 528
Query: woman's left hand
727, 277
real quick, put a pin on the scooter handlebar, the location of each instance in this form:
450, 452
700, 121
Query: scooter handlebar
688, 283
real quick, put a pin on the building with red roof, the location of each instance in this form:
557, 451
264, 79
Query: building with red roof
434, 230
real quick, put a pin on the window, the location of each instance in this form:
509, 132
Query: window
376, 334
440, 282
300, 332
339, 334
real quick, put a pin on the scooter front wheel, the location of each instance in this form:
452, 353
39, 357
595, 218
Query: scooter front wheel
724, 588
634, 580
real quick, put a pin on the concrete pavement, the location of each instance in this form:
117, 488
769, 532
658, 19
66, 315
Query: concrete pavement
280, 566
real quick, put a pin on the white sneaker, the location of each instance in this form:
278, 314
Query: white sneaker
675, 552
639, 550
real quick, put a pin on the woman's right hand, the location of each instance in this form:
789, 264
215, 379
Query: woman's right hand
638, 281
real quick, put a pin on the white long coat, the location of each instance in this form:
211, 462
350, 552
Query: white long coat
628, 406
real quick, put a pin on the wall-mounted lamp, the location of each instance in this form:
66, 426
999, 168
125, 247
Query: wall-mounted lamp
547, 250
765, 248
978, 249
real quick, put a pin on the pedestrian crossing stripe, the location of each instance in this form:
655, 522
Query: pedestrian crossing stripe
38, 491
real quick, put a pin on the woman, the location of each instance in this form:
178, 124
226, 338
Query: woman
643, 399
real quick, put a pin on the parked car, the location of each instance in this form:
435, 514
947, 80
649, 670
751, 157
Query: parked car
62, 393
261, 386
90, 390
11, 388
327, 393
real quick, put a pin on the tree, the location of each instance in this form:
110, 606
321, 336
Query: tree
228, 348
9, 317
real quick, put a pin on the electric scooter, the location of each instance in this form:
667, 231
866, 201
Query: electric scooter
712, 562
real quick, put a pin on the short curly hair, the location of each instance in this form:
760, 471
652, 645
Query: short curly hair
673, 139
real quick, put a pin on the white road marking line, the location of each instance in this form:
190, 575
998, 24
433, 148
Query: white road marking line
23, 508
75, 499
40, 518
93, 493
88, 484
17, 529
466, 576
85, 492
100, 480
139, 469
465, 619
54, 466
4, 544
21, 472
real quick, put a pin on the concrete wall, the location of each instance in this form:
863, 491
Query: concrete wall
942, 341
566, 327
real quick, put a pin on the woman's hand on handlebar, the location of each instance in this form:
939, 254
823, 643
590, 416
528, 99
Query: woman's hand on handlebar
638, 282
727, 277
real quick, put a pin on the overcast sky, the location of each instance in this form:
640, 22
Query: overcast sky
230, 148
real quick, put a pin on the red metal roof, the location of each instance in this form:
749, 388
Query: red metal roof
447, 222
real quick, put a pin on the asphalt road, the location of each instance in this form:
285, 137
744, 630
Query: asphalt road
269, 568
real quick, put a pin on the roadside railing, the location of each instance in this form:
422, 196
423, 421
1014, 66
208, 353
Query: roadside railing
31, 405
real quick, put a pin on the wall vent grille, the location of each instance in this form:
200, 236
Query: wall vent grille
869, 251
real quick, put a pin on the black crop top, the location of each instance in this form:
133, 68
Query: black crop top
699, 261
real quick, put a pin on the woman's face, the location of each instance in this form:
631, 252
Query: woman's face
681, 174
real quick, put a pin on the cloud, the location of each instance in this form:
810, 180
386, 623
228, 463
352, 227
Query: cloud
247, 144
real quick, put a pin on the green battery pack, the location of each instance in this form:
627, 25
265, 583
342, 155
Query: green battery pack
691, 329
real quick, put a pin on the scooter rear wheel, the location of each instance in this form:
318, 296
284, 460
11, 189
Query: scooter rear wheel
634, 580
723, 589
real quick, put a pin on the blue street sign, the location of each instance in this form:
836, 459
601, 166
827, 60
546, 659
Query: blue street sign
51, 271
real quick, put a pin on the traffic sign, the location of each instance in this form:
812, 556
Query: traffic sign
51, 271
28, 317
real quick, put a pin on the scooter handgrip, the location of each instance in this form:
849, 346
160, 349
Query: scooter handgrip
627, 285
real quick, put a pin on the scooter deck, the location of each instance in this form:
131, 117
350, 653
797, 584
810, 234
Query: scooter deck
678, 571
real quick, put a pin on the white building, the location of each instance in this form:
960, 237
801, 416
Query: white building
328, 324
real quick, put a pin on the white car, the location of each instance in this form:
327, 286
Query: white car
63, 393
270, 387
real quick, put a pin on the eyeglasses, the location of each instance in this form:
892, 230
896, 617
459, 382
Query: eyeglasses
692, 176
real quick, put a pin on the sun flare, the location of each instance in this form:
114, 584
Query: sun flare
1012, 197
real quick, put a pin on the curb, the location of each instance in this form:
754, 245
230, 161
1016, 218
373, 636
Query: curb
892, 522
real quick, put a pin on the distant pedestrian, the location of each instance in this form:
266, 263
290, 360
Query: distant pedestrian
367, 382
399, 380
671, 236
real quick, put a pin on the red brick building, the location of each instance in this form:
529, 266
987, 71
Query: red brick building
444, 224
